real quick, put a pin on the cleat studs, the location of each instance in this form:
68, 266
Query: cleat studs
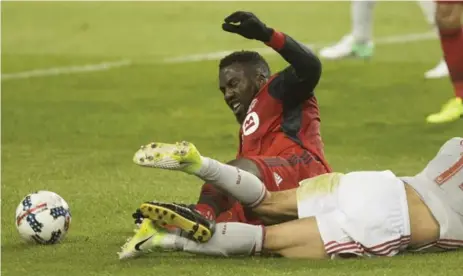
150, 209
150, 158
141, 160
153, 145
159, 217
195, 227
200, 238
172, 216
164, 212
156, 210
204, 232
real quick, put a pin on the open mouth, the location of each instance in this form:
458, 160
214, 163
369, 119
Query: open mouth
236, 107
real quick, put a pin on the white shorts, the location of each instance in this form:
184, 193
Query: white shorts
359, 213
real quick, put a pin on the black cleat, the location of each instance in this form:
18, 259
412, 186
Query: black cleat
181, 216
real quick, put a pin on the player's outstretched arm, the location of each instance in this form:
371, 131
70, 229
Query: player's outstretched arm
302, 76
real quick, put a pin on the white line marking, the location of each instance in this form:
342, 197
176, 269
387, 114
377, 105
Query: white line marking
192, 58
67, 70
384, 40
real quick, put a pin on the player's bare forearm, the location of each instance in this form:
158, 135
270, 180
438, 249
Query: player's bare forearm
305, 63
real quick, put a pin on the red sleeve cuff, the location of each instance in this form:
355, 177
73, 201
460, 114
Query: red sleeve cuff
277, 41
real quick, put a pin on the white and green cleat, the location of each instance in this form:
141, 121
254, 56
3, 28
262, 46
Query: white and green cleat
146, 239
347, 47
182, 156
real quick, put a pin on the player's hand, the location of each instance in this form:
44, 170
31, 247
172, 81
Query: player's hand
247, 25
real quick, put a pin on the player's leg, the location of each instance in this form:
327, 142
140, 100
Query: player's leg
381, 220
362, 22
294, 239
429, 10
448, 19
191, 227
277, 174
240, 184
359, 41
185, 157
213, 201
314, 197
349, 222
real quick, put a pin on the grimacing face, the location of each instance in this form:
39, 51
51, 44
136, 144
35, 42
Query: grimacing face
239, 85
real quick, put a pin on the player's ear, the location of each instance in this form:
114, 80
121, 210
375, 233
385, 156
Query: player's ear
261, 79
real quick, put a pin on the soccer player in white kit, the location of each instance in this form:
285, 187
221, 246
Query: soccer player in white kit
364, 213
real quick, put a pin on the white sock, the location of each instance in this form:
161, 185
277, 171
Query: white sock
362, 20
230, 239
244, 186
428, 8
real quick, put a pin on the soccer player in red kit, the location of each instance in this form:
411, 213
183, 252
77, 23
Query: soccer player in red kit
449, 15
280, 139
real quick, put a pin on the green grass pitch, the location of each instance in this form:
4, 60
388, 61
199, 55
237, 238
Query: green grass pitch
75, 134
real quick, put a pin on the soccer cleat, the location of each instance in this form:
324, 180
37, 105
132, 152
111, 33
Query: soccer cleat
147, 238
451, 111
363, 50
181, 156
138, 218
440, 71
347, 47
191, 222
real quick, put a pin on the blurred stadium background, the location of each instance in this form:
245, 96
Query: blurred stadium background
84, 84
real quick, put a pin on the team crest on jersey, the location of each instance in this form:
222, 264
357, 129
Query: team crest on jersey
250, 124
251, 106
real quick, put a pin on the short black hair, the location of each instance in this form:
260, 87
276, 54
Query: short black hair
247, 58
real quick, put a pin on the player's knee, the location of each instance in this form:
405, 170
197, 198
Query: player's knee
448, 16
246, 165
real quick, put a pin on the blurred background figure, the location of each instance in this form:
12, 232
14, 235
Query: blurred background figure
359, 43
449, 23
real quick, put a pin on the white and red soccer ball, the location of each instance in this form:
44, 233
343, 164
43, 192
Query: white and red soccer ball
43, 217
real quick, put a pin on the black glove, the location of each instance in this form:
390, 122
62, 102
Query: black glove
249, 26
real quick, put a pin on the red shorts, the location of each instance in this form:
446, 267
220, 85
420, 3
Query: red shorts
279, 173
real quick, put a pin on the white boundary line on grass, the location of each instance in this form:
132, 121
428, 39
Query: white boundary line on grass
103, 66
67, 70
397, 39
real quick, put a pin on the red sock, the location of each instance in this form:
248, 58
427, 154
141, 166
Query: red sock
213, 202
452, 46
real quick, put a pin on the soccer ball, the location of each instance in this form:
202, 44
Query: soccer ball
43, 217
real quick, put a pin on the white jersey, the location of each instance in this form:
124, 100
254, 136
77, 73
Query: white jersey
440, 186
